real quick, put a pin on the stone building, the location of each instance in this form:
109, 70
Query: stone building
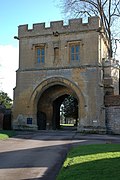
58, 61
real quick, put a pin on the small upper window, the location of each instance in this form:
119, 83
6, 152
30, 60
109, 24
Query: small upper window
75, 52
56, 54
40, 54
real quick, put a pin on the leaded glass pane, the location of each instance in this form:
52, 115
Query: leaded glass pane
42, 59
75, 52
38, 52
38, 59
72, 57
72, 49
77, 48
77, 57
43, 52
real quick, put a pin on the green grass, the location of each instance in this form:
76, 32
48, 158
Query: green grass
5, 134
67, 125
92, 162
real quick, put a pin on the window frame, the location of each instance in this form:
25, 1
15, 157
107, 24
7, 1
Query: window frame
75, 54
41, 56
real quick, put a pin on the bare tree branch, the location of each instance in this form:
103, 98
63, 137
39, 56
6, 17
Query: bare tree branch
107, 10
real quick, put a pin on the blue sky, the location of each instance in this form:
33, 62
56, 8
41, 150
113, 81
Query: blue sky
12, 14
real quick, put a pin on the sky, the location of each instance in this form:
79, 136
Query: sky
12, 14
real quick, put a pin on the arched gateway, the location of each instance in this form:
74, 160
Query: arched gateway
56, 62
47, 98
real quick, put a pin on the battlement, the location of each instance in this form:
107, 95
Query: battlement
74, 25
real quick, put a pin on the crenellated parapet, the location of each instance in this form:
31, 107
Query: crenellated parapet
74, 25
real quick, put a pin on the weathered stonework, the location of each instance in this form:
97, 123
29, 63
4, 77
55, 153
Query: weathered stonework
41, 87
112, 104
113, 119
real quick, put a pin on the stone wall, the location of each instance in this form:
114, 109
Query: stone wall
2, 111
74, 25
82, 79
112, 100
111, 77
113, 119
112, 104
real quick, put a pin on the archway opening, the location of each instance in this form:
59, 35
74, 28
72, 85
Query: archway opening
57, 108
69, 113
65, 112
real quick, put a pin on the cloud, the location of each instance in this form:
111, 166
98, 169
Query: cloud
8, 66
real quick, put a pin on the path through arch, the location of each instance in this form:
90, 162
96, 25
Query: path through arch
48, 106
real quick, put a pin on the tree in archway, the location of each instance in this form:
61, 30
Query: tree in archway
107, 10
70, 107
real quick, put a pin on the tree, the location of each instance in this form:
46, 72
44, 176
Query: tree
107, 10
5, 100
70, 107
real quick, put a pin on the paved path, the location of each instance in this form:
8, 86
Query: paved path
39, 155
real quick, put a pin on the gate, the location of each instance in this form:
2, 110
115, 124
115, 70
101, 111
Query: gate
41, 120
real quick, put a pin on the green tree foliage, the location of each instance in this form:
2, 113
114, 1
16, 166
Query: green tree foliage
5, 100
107, 10
70, 107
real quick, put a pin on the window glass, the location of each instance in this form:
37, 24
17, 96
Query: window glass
42, 59
38, 59
72, 57
77, 57
72, 49
40, 53
77, 49
75, 52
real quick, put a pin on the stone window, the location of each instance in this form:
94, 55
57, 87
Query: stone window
40, 54
74, 51
56, 54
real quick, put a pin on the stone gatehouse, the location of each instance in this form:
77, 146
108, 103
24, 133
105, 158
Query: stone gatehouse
58, 61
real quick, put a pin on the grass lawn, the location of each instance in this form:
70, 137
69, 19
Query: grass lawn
67, 125
5, 134
92, 162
